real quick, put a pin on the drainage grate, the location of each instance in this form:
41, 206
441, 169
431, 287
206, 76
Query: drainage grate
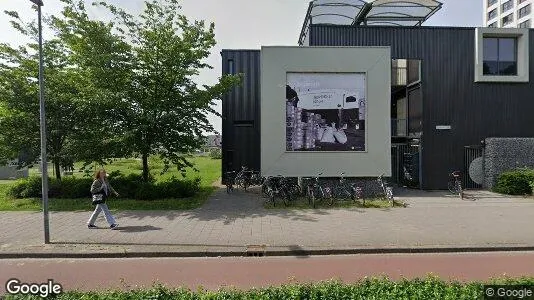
256, 250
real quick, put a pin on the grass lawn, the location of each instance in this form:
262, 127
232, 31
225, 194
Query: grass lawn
209, 171
302, 203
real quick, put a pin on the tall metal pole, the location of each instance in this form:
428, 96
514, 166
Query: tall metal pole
44, 164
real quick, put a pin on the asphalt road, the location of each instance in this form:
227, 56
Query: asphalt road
248, 272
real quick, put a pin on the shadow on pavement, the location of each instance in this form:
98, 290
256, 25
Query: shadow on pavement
228, 208
137, 228
299, 251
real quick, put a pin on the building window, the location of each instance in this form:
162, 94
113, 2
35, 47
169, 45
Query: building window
524, 11
520, 1
491, 2
525, 24
492, 14
231, 66
506, 6
507, 20
500, 56
493, 25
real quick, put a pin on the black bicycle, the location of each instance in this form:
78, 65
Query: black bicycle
455, 184
317, 192
277, 187
345, 191
230, 181
386, 189
242, 178
256, 179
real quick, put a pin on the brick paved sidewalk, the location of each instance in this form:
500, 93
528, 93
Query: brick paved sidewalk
228, 223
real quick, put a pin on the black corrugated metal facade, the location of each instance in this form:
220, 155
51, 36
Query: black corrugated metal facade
450, 95
241, 112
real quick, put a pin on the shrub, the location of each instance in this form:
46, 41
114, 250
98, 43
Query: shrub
516, 182
532, 187
369, 288
26, 188
176, 188
131, 186
216, 153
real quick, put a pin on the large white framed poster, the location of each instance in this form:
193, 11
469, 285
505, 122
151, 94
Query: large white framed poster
321, 81
325, 111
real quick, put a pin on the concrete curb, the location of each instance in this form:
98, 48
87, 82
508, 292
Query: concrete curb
296, 252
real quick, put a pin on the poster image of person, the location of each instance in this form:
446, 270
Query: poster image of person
325, 112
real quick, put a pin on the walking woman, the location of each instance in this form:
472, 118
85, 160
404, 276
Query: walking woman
102, 187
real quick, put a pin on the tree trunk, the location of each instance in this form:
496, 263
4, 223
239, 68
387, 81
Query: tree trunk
57, 167
145, 167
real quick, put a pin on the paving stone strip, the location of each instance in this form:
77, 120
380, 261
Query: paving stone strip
228, 223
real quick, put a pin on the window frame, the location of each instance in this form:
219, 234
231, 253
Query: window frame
509, 4
510, 19
231, 67
523, 61
490, 17
515, 50
528, 22
491, 2
524, 8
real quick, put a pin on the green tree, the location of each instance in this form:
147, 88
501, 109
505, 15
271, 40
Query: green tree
105, 60
158, 109
66, 107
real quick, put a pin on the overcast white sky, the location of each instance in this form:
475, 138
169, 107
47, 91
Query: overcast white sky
241, 24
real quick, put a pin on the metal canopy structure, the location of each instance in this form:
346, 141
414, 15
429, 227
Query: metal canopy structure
368, 13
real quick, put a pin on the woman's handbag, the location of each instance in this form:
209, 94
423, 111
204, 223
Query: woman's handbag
98, 199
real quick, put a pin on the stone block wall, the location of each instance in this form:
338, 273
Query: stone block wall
503, 154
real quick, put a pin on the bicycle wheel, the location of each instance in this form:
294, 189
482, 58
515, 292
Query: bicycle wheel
271, 194
311, 197
460, 189
264, 190
328, 196
308, 194
453, 187
344, 194
295, 190
286, 198
389, 195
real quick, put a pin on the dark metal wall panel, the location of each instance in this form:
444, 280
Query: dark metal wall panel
241, 112
450, 95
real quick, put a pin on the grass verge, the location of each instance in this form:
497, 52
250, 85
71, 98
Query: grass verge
34, 204
302, 203
209, 171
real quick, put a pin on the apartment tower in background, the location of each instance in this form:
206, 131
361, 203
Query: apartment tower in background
508, 13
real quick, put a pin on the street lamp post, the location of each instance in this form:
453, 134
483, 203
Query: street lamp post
44, 164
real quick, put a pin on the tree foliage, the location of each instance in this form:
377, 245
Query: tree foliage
112, 88
19, 100
158, 109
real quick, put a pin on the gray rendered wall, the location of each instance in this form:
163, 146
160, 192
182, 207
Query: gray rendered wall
276, 62
12, 172
503, 154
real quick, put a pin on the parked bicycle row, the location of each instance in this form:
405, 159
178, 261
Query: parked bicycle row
280, 189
